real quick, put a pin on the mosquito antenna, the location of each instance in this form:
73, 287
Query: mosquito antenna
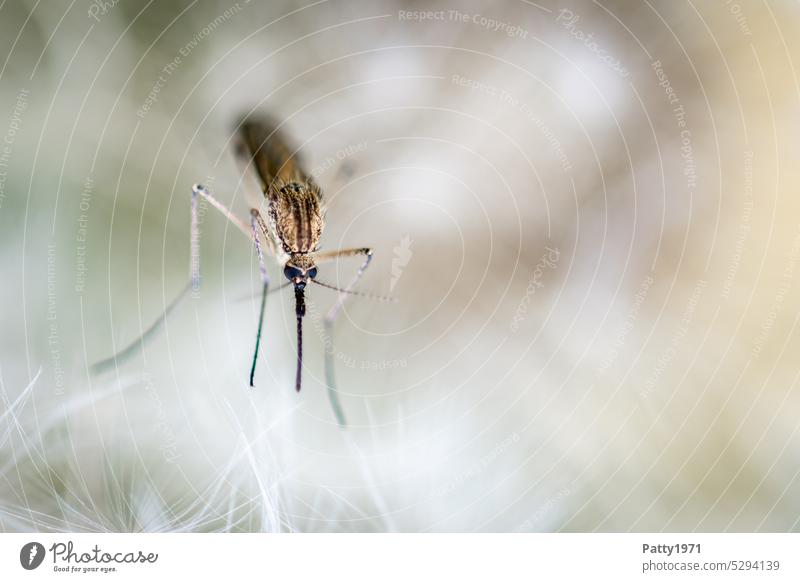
359, 293
300, 310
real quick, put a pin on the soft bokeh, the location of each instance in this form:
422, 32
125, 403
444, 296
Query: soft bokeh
587, 212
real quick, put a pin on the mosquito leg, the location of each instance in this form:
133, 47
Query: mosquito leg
328, 256
333, 393
195, 233
194, 268
330, 320
255, 222
194, 243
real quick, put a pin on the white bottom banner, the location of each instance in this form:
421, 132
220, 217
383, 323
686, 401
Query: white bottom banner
769, 557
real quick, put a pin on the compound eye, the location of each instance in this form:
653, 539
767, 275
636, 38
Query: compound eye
292, 273
312, 272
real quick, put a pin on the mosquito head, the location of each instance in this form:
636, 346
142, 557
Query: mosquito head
300, 311
299, 269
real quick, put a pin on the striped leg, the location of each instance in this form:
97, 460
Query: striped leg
194, 284
255, 222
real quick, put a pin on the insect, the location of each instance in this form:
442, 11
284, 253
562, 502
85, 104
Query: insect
275, 180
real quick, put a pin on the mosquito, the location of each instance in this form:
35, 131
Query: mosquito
275, 178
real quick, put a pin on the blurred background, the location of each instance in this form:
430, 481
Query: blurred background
587, 212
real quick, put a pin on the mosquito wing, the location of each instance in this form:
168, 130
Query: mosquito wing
295, 215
